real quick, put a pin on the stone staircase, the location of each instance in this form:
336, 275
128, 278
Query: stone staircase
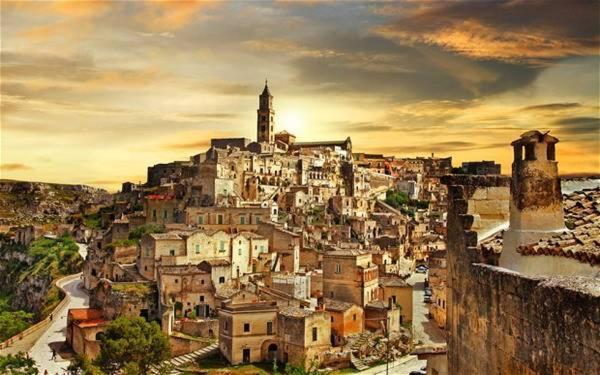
358, 363
182, 360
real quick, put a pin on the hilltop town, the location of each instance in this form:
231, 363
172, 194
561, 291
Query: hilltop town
276, 250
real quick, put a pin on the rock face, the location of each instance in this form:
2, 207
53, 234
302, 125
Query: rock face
24, 202
29, 294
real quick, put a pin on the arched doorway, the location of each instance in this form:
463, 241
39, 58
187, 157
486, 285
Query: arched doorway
272, 352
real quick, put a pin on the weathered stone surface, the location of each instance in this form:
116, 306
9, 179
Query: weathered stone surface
502, 322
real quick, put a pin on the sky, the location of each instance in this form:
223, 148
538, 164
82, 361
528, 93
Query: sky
94, 92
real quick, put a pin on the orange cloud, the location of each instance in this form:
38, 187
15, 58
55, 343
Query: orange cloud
75, 17
513, 31
169, 15
14, 167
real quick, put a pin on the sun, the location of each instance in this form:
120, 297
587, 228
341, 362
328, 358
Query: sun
290, 121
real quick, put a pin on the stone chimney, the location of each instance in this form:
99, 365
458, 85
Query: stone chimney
536, 201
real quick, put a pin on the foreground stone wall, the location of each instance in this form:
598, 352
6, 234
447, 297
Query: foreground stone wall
503, 322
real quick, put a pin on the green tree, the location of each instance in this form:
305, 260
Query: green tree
137, 233
132, 344
17, 365
396, 199
82, 365
13, 322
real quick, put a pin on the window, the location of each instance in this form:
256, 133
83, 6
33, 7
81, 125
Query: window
154, 214
338, 268
222, 280
201, 298
165, 214
176, 281
257, 219
219, 219
201, 220
269, 328
246, 327
354, 317
331, 294
242, 220
239, 251
226, 325
332, 319
197, 248
315, 333
172, 252
202, 281
222, 246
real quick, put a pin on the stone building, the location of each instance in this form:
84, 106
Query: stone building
398, 292
248, 332
238, 218
84, 328
480, 167
304, 335
508, 316
188, 289
346, 319
350, 276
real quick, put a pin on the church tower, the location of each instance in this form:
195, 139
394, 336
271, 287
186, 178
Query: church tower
265, 119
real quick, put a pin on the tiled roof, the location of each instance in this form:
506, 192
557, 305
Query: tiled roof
165, 236
582, 213
492, 244
295, 312
336, 305
85, 314
393, 281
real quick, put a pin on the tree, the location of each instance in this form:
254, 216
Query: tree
132, 344
13, 322
17, 365
396, 199
82, 365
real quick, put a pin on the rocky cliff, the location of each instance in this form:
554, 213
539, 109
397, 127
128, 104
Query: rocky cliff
27, 273
23, 202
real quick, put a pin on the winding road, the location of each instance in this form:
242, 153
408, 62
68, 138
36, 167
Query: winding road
55, 334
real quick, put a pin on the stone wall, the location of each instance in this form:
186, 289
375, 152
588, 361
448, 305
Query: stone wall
503, 322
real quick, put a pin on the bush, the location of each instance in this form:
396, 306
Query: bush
137, 233
396, 199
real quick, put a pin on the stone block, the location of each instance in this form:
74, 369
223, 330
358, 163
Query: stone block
498, 193
491, 207
480, 194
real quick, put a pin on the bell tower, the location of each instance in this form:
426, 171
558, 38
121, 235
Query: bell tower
265, 119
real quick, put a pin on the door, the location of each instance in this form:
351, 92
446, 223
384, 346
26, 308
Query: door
246, 355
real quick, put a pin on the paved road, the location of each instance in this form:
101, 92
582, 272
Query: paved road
54, 336
424, 330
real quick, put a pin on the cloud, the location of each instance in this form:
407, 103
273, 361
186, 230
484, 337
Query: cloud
522, 31
164, 16
188, 145
552, 107
580, 125
80, 69
11, 167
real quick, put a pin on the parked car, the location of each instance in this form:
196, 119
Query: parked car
418, 372
421, 269
427, 299
428, 292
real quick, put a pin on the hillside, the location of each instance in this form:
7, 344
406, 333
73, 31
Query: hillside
27, 276
23, 202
